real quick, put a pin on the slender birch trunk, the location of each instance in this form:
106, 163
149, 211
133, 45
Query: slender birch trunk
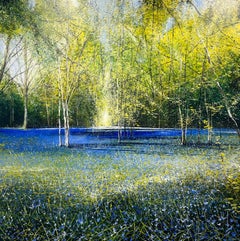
59, 121
25, 120
60, 93
183, 124
209, 119
66, 123
25, 85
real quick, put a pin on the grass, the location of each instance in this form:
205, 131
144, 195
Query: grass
132, 192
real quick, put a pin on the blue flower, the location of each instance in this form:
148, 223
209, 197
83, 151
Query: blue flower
194, 192
80, 221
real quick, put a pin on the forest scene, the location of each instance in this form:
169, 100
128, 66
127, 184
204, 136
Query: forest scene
119, 120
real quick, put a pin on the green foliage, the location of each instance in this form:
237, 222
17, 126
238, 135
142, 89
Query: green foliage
233, 190
14, 15
83, 109
11, 108
140, 67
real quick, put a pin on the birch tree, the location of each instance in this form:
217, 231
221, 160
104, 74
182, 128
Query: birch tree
24, 69
77, 52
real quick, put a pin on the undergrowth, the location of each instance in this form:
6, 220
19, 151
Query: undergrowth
177, 194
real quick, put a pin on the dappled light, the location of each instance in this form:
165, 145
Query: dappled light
141, 189
119, 120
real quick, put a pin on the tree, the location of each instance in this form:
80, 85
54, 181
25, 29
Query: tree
23, 71
19, 63
11, 107
15, 16
224, 58
76, 54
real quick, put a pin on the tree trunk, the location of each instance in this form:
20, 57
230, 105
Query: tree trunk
67, 127
209, 127
66, 123
25, 85
60, 93
47, 113
25, 120
47, 109
209, 119
183, 125
119, 113
59, 122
